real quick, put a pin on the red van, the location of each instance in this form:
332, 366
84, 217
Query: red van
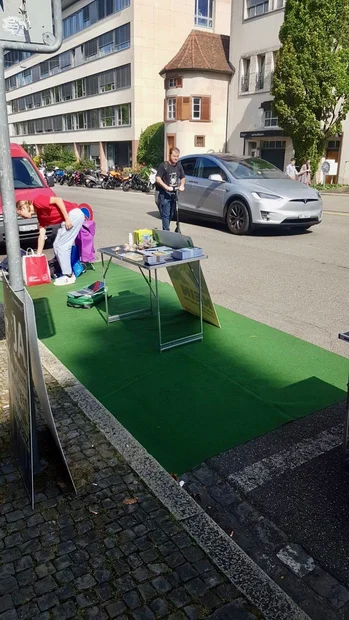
28, 182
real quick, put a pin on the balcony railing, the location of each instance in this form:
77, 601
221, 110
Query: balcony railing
245, 83
259, 81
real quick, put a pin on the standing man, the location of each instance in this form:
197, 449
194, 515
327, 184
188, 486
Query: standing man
291, 170
170, 177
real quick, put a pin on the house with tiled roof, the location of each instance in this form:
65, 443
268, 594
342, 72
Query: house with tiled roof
196, 94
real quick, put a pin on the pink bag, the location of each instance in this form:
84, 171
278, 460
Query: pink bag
35, 269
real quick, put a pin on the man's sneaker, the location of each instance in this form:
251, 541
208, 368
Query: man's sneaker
64, 280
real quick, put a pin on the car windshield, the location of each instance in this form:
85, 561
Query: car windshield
253, 168
24, 174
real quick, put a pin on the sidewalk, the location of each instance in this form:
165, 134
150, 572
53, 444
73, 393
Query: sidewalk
97, 555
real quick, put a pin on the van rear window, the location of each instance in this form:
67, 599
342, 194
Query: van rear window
24, 174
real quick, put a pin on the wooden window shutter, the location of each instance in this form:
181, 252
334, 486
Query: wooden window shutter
179, 82
179, 108
186, 109
165, 109
206, 108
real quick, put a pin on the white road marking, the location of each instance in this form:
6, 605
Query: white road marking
264, 471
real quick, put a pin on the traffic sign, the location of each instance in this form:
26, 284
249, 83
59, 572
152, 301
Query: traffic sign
26, 21
325, 167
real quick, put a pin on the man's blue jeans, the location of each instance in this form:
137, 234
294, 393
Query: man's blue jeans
167, 209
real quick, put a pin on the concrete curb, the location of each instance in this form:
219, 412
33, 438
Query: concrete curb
239, 568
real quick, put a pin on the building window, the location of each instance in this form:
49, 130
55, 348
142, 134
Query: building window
44, 69
91, 48
123, 77
67, 91
113, 116
65, 60
260, 72
270, 117
46, 97
107, 81
106, 43
27, 76
274, 144
171, 109
108, 117
196, 108
123, 116
245, 78
113, 41
199, 141
91, 85
122, 37
116, 79
256, 7
333, 145
204, 13
174, 82
79, 89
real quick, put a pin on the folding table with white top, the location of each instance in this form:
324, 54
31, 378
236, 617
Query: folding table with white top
147, 271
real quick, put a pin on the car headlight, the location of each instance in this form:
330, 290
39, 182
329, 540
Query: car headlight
262, 196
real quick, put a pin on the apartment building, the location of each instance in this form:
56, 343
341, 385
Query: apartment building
103, 87
253, 126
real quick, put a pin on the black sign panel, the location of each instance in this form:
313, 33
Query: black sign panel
271, 133
20, 388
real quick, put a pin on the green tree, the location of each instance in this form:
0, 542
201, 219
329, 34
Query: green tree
311, 79
151, 145
54, 153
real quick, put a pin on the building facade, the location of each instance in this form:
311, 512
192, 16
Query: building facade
253, 127
196, 94
103, 87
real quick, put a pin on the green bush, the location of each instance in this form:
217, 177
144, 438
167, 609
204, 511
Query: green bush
58, 153
84, 164
151, 145
334, 186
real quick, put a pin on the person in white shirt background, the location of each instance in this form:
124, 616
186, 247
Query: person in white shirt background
291, 170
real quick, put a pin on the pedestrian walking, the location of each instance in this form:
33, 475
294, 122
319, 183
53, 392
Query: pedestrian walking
170, 177
304, 175
50, 211
291, 170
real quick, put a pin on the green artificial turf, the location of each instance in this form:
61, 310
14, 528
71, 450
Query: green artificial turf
190, 403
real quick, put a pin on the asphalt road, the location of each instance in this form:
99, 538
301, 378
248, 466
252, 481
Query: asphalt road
295, 282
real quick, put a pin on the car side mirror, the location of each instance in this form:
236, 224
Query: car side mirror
50, 181
215, 177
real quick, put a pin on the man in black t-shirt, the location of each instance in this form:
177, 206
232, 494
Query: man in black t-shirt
169, 178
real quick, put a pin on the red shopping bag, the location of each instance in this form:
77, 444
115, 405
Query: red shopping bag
35, 269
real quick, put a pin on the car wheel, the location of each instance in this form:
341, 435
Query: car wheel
238, 218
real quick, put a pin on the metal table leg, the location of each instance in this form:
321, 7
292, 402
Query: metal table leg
186, 339
345, 455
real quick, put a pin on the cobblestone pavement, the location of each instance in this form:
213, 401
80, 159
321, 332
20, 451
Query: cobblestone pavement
92, 555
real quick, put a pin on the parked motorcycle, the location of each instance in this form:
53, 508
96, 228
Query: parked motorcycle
152, 179
92, 178
77, 178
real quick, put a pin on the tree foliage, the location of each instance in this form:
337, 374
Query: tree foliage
311, 79
151, 145
54, 153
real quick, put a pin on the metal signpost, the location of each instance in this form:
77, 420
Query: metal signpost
27, 26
